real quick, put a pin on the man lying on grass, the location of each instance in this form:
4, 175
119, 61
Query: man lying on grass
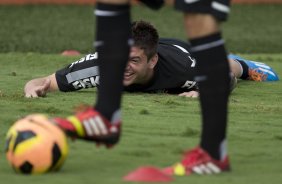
154, 65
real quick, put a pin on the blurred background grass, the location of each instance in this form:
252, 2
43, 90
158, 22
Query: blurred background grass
53, 28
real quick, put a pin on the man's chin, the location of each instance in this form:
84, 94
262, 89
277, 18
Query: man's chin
126, 83
128, 80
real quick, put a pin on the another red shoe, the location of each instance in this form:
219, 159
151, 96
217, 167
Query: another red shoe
198, 161
90, 125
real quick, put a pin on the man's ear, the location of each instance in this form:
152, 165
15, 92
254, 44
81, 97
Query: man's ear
153, 61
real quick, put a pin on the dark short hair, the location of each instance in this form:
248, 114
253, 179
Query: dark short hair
146, 37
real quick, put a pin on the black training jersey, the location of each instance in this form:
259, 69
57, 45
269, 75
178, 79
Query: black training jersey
173, 73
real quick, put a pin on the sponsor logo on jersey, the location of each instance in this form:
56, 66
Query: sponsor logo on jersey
86, 58
89, 82
189, 84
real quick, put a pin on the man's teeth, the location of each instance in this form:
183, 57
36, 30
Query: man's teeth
128, 74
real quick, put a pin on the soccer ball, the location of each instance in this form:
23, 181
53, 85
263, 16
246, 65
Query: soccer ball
34, 145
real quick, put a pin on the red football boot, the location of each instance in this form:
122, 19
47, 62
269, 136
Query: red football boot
198, 161
90, 125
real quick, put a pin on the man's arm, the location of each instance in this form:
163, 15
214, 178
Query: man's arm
39, 87
80, 74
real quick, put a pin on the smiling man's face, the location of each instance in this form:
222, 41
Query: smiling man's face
139, 69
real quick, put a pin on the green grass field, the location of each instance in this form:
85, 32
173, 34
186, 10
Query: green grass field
157, 127
250, 29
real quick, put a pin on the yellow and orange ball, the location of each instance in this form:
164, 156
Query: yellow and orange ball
34, 145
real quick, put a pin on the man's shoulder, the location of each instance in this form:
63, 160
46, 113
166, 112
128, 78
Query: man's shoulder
170, 44
174, 41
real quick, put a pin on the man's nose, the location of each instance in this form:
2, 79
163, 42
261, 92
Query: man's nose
127, 66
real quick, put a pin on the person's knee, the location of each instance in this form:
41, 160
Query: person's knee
200, 24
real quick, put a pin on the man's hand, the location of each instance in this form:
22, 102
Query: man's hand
190, 94
37, 87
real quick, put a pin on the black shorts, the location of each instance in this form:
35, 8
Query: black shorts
218, 8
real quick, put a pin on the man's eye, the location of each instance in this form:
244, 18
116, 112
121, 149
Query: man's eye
134, 61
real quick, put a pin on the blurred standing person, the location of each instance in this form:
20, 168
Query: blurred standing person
202, 20
102, 122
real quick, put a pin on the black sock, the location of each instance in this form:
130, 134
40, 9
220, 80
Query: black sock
214, 85
245, 73
112, 45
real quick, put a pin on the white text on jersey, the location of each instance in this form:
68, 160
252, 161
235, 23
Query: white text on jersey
86, 83
86, 58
